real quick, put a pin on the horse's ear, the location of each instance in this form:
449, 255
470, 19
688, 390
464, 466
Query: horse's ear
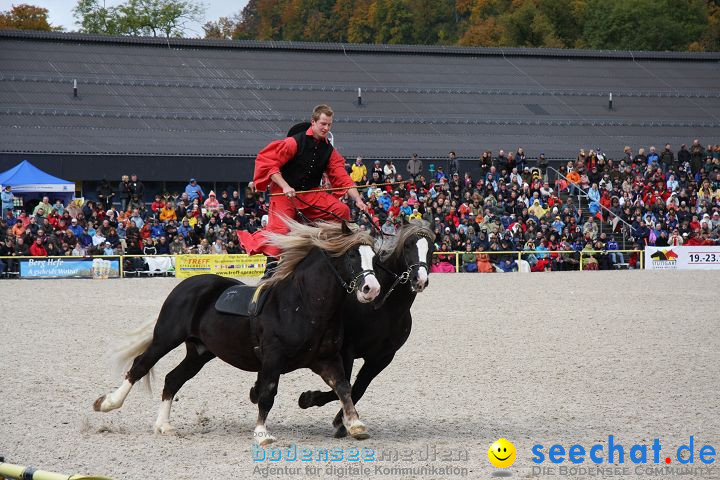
404, 220
346, 229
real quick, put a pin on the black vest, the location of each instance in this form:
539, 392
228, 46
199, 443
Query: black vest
304, 171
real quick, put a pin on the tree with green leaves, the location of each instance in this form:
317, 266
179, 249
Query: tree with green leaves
26, 17
222, 29
434, 22
167, 18
247, 22
94, 18
393, 22
644, 24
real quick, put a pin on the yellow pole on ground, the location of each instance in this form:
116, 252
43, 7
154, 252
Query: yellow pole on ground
581, 255
8, 470
457, 262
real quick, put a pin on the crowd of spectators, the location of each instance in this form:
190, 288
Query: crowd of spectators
120, 222
516, 204
639, 199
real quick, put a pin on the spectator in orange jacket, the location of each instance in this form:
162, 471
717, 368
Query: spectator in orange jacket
574, 178
167, 212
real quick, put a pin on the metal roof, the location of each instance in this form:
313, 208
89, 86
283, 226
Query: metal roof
189, 97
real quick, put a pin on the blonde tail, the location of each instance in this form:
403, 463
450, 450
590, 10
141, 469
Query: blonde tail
135, 343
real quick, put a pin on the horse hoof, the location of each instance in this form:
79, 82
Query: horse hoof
97, 406
338, 421
341, 432
266, 440
253, 395
103, 404
165, 429
305, 400
359, 432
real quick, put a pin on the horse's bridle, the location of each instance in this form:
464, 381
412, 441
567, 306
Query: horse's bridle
353, 285
403, 278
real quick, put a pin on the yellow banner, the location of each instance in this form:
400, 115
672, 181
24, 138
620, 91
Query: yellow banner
239, 265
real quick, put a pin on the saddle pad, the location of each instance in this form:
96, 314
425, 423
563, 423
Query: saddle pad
245, 300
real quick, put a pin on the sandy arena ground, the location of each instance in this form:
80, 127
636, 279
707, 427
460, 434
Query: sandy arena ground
535, 358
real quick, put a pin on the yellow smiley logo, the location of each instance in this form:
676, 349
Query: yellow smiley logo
502, 453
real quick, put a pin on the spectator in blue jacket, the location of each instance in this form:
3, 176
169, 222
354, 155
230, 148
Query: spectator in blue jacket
75, 228
439, 174
194, 190
85, 239
184, 229
135, 217
8, 199
385, 200
157, 230
615, 257
653, 157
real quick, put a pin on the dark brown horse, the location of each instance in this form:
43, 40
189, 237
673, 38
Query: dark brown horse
376, 331
296, 328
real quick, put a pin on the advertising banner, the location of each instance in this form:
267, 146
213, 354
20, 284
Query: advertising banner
683, 258
68, 268
231, 265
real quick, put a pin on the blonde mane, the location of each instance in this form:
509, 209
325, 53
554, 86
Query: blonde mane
301, 239
393, 246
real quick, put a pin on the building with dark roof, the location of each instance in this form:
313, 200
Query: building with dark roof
172, 109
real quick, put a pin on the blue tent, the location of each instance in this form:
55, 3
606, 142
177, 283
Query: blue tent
26, 178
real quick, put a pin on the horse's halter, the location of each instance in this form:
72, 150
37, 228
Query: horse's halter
404, 277
420, 262
354, 284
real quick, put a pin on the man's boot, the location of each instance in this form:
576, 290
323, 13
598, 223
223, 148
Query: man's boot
270, 267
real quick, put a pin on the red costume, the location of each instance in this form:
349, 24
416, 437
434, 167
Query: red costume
282, 153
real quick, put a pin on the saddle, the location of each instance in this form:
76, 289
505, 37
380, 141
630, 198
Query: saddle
245, 300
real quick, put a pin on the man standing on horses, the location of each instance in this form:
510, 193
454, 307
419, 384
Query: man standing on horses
294, 165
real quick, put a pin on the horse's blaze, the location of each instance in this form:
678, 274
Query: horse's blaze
422, 247
366, 258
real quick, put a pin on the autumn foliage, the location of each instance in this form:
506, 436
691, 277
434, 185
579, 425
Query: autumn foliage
26, 17
598, 24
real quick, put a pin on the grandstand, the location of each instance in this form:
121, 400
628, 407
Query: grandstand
172, 109
180, 102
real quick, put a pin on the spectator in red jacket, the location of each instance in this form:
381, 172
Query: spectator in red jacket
37, 249
157, 205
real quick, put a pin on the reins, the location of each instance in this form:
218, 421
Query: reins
336, 189
353, 285
315, 207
